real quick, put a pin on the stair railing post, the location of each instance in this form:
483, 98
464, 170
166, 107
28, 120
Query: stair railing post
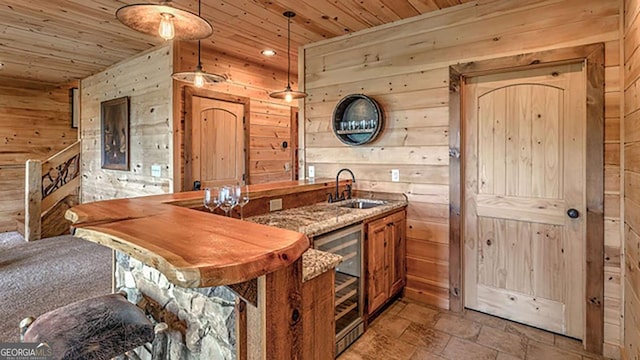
33, 200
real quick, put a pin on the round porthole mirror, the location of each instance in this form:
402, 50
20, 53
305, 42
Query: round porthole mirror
357, 119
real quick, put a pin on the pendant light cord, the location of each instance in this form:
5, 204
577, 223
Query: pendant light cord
199, 14
288, 93
289, 52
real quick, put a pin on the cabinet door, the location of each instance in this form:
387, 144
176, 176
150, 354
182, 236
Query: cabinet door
377, 266
397, 250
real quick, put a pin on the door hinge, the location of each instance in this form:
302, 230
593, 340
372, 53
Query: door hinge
244, 176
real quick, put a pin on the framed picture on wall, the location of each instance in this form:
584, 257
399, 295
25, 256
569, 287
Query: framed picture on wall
74, 103
114, 130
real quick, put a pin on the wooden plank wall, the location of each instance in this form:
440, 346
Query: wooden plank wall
11, 196
405, 67
631, 155
147, 80
269, 121
34, 124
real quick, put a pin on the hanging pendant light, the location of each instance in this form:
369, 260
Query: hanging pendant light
288, 94
165, 20
199, 77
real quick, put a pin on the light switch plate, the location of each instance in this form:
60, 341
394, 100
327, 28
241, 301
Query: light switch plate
156, 170
395, 175
275, 204
312, 171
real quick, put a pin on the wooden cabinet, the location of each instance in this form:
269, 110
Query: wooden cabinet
318, 329
386, 266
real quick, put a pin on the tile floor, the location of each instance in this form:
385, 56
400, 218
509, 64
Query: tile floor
411, 331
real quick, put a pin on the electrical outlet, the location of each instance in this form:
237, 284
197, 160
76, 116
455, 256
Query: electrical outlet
156, 170
312, 171
275, 204
395, 175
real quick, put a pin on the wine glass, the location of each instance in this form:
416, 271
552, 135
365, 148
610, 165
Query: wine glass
227, 199
242, 199
211, 199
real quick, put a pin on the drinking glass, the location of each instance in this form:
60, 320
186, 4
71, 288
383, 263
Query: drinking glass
227, 199
242, 199
211, 199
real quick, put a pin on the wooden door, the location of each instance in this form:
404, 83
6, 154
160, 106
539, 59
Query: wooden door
524, 168
217, 142
377, 265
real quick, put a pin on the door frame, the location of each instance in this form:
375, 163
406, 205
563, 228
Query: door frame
593, 58
183, 173
293, 142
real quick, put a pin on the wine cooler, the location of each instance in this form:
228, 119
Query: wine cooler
349, 306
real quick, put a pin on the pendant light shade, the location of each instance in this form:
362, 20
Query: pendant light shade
199, 77
164, 20
288, 94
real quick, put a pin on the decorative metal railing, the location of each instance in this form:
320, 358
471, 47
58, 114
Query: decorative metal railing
47, 184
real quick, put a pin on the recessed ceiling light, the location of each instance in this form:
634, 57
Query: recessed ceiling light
1, 65
268, 52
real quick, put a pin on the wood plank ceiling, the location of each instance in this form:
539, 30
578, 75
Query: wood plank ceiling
51, 42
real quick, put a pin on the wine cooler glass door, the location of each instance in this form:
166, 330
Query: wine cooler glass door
346, 242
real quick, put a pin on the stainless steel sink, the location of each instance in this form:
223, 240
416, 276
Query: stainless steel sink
362, 204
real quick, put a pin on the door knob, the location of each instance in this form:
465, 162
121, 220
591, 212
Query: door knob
573, 213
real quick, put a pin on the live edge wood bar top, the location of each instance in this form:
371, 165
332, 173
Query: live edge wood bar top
192, 248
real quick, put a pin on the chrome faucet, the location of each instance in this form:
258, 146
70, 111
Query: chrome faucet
340, 196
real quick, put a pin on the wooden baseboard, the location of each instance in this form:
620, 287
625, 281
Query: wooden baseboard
623, 353
426, 298
612, 351
10, 225
370, 317
19, 225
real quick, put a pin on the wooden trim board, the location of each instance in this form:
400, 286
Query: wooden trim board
593, 56
293, 143
455, 192
594, 290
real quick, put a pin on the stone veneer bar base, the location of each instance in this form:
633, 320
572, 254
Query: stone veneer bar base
208, 312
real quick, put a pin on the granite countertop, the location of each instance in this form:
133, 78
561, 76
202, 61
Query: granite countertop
317, 219
321, 218
316, 262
